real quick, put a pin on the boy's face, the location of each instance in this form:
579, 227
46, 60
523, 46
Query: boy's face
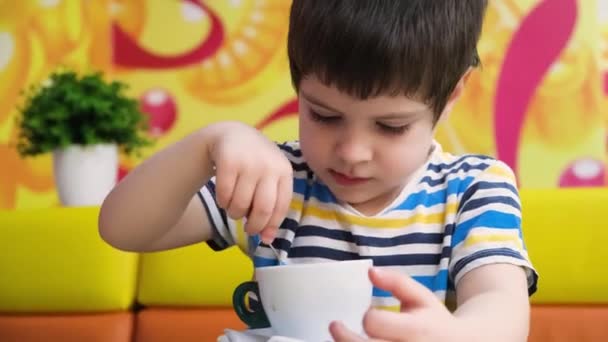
364, 150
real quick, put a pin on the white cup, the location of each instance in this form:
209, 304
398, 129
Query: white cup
301, 300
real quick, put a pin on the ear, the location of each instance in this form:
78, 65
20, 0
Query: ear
458, 90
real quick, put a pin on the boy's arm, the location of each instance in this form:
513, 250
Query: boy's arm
156, 207
493, 303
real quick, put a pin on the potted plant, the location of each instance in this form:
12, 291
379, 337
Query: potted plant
84, 121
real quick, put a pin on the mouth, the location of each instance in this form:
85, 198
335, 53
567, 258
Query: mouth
346, 180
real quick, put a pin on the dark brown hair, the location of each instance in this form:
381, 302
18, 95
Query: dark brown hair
368, 48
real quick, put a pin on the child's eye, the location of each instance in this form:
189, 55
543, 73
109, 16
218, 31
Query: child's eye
393, 129
323, 118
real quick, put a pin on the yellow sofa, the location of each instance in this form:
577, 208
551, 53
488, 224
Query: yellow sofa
60, 282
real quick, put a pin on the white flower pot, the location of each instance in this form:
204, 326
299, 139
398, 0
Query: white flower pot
84, 175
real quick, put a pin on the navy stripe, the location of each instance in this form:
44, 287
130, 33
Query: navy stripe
279, 244
299, 166
434, 182
379, 260
289, 224
481, 185
406, 259
217, 242
361, 240
480, 202
440, 167
484, 254
464, 169
285, 147
322, 252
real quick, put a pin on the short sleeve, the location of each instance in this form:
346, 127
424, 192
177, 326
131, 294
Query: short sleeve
226, 232
488, 226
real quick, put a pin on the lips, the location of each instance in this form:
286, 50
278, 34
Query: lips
346, 180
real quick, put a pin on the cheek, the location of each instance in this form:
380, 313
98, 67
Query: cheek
310, 141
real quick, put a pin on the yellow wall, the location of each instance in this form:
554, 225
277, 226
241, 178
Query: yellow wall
194, 71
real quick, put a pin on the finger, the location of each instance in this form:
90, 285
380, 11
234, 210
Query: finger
225, 181
264, 200
388, 325
341, 333
284, 195
242, 195
410, 292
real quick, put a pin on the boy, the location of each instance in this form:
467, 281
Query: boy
365, 179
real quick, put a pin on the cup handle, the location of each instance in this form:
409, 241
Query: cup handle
254, 317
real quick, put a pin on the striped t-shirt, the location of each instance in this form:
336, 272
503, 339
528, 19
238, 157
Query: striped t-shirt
455, 214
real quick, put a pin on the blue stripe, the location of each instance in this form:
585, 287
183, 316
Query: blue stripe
489, 219
361, 240
438, 282
319, 191
378, 292
423, 198
259, 261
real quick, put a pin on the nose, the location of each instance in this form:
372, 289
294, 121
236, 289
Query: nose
353, 148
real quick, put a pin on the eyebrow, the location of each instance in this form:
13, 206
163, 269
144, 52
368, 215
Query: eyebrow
385, 116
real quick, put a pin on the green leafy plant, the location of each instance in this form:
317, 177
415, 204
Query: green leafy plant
72, 109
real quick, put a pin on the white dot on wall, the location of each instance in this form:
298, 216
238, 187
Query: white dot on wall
602, 10
7, 49
239, 47
224, 59
587, 169
257, 17
236, 3
206, 64
115, 8
192, 13
250, 32
156, 97
49, 3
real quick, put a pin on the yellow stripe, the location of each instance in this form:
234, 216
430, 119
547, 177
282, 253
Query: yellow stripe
372, 222
479, 238
497, 170
394, 308
241, 239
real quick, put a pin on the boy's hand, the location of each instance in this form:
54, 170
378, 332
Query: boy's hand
253, 178
422, 318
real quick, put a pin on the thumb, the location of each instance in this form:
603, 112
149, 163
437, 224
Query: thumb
409, 292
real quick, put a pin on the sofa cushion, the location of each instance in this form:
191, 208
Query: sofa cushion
102, 327
192, 276
53, 260
567, 323
565, 231
184, 325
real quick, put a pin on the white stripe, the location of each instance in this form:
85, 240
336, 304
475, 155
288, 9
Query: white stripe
216, 217
429, 228
344, 246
